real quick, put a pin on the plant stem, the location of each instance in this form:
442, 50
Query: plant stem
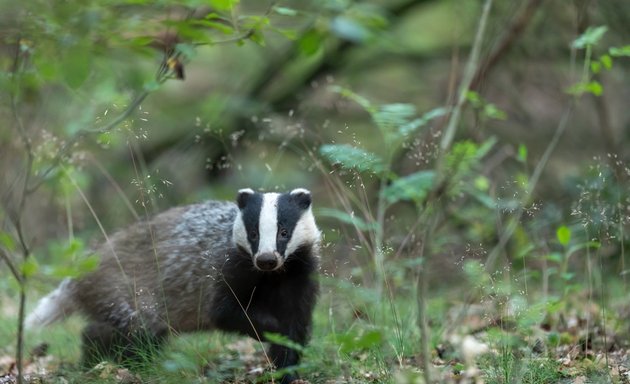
423, 294
533, 182
379, 257
431, 215
469, 73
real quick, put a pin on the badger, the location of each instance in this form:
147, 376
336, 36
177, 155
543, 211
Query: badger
248, 268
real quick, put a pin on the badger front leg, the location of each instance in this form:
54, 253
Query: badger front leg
257, 321
297, 330
293, 306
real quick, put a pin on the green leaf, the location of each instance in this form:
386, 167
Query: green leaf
556, 257
563, 234
362, 101
591, 36
606, 61
596, 67
188, 30
74, 269
47, 68
354, 341
88, 264
223, 5
531, 315
288, 33
481, 183
483, 198
595, 88
522, 153
283, 341
347, 218
474, 99
76, 65
349, 29
581, 88
485, 147
350, 157
141, 40
187, 50
393, 115
221, 27
493, 112
414, 187
311, 42
581, 246
406, 129
257, 37
464, 154
620, 51
73, 248
7, 241
29, 267
284, 11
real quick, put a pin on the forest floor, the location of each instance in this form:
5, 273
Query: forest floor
573, 340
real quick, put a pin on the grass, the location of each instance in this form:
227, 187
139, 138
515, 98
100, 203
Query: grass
359, 338
355, 339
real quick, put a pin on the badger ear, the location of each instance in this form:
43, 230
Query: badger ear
243, 197
302, 197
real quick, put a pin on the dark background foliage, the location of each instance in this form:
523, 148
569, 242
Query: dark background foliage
113, 111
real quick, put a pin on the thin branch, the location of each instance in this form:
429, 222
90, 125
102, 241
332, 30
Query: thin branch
234, 39
7, 259
470, 70
17, 219
336, 47
63, 152
533, 182
115, 185
243, 36
514, 31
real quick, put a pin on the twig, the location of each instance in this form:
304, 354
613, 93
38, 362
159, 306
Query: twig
513, 32
63, 152
533, 182
17, 219
434, 196
234, 39
423, 294
470, 70
284, 98
7, 259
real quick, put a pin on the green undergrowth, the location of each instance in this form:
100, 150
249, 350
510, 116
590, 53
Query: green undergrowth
359, 337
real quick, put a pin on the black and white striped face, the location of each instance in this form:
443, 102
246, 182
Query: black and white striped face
272, 226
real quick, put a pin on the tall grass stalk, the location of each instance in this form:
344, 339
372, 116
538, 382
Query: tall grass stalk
432, 202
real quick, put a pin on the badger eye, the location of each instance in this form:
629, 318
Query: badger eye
253, 235
283, 233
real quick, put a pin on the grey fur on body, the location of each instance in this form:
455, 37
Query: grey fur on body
169, 267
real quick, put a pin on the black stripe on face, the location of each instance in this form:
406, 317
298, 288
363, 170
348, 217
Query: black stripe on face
250, 205
290, 209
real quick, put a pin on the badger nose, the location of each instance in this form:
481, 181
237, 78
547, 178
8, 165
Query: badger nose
266, 261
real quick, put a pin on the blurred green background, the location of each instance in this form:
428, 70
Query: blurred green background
242, 94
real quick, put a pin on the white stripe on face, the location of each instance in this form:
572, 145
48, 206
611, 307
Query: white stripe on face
239, 233
305, 232
268, 224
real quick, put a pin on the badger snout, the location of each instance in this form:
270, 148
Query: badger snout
268, 261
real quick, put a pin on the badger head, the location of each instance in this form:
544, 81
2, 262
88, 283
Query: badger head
272, 226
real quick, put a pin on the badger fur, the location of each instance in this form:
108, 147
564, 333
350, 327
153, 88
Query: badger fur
247, 267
